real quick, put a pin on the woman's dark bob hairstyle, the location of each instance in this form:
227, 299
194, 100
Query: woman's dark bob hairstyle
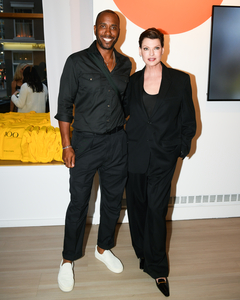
151, 33
31, 77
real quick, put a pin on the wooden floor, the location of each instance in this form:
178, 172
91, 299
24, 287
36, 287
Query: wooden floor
204, 260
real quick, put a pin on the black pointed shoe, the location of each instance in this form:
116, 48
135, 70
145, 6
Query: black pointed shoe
141, 263
163, 286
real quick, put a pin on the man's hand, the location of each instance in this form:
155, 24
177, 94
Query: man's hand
69, 157
68, 154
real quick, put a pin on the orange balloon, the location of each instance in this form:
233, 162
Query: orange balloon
171, 16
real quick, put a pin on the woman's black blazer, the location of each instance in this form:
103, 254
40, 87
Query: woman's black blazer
167, 133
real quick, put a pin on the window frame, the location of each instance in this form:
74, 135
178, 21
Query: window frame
16, 21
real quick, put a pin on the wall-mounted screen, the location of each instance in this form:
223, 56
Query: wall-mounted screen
224, 65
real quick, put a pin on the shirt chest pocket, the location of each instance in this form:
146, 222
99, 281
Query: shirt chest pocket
90, 81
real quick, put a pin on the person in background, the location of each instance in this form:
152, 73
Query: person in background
99, 142
17, 82
33, 93
160, 128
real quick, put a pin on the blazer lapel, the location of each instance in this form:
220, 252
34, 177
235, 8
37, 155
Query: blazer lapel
166, 82
165, 85
139, 90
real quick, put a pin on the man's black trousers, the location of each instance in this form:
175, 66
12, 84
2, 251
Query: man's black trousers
106, 154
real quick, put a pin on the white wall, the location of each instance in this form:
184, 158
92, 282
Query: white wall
215, 166
32, 195
206, 186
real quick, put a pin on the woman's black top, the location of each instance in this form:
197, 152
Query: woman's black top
149, 102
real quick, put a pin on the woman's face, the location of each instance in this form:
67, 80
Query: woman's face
151, 51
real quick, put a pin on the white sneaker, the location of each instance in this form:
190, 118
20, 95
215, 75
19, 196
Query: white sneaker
65, 277
110, 260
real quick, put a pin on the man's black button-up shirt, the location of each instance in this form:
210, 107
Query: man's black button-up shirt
97, 106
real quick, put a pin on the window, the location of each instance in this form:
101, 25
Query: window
21, 57
23, 28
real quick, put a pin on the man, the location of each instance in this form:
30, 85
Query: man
98, 142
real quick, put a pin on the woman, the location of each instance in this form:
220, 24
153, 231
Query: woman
160, 129
17, 82
32, 95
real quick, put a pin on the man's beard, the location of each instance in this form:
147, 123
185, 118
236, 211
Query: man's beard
101, 44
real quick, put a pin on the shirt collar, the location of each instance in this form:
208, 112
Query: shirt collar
93, 48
